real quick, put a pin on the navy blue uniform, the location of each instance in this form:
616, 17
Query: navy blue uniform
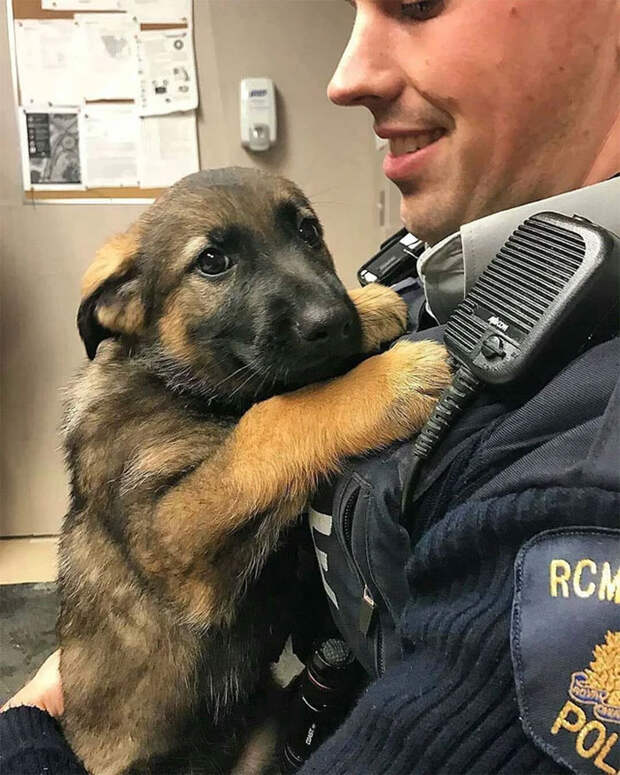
439, 635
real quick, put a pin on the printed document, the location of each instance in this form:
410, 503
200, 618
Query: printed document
110, 60
167, 72
168, 149
51, 148
161, 11
84, 5
48, 55
111, 145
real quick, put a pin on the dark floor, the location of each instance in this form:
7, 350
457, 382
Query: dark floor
27, 632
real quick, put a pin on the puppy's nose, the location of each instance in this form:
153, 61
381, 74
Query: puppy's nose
322, 324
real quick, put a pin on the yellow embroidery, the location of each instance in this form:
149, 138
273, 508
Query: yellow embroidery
562, 721
597, 744
579, 568
598, 685
556, 578
604, 671
564, 581
599, 747
609, 589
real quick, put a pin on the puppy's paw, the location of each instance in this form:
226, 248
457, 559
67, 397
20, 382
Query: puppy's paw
417, 374
382, 313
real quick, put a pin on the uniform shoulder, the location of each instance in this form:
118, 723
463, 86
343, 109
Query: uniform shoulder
564, 435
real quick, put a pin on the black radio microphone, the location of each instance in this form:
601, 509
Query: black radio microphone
552, 287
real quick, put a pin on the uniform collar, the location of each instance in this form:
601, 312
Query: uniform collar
449, 268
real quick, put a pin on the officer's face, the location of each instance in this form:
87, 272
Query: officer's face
514, 100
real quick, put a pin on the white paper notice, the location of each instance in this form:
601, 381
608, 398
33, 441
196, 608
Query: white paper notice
110, 59
84, 5
167, 72
159, 11
51, 148
168, 149
48, 61
111, 145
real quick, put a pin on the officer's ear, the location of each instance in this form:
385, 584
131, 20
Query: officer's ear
112, 302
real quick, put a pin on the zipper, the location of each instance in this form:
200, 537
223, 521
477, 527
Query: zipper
367, 603
380, 649
347, 521
368, 613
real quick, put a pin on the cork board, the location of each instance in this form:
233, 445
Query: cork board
31, 9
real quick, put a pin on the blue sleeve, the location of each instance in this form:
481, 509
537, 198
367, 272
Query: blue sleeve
31, 743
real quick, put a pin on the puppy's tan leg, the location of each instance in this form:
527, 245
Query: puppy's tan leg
382, 313
280, 448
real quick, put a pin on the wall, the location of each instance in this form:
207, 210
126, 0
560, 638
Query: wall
45, 248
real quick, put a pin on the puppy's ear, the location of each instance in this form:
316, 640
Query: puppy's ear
111, 293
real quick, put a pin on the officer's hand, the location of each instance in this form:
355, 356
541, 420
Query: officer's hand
44, 691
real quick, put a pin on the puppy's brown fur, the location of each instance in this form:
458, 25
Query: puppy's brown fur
186, 469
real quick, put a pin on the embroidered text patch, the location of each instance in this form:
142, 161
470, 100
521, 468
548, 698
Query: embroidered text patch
565, 642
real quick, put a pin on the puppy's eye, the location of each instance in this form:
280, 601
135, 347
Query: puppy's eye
212, 262
309, 231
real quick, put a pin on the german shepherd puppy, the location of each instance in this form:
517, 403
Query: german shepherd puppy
193, 445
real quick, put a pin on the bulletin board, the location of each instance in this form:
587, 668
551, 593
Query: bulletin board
32, 10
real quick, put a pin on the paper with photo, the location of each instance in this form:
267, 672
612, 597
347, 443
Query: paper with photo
160, 11
48, 55
167, 72
51, 148
110, 134
168, 149
84, 5
110, 60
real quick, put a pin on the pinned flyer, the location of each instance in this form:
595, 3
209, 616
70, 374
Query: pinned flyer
52, 150
109, 55
84, 5
168, 149
167, 72
110, 134
161, 11
48, 53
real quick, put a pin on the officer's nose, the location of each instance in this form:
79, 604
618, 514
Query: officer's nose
322, 324
367, 74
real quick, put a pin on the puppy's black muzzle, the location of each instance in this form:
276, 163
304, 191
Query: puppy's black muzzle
320, 326
324, 339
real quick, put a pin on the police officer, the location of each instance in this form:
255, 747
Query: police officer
488, 614
497, 648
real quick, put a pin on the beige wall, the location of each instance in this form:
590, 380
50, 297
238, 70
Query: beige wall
45, 248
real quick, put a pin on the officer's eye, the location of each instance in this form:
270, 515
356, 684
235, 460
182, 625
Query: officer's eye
421, 10
212, 261
310, 232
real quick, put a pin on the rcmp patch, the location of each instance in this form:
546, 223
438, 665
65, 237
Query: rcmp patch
565, 645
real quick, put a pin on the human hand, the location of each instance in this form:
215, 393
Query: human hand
44, 691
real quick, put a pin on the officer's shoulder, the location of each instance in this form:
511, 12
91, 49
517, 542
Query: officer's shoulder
564, 433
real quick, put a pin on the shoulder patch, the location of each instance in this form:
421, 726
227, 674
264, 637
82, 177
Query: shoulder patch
565, 645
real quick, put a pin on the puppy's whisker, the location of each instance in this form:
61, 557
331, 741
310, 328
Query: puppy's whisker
243, 384
262, 383
234, 373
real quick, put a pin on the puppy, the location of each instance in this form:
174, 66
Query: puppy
193, 445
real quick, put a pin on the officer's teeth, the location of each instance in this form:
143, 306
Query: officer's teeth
412, 143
